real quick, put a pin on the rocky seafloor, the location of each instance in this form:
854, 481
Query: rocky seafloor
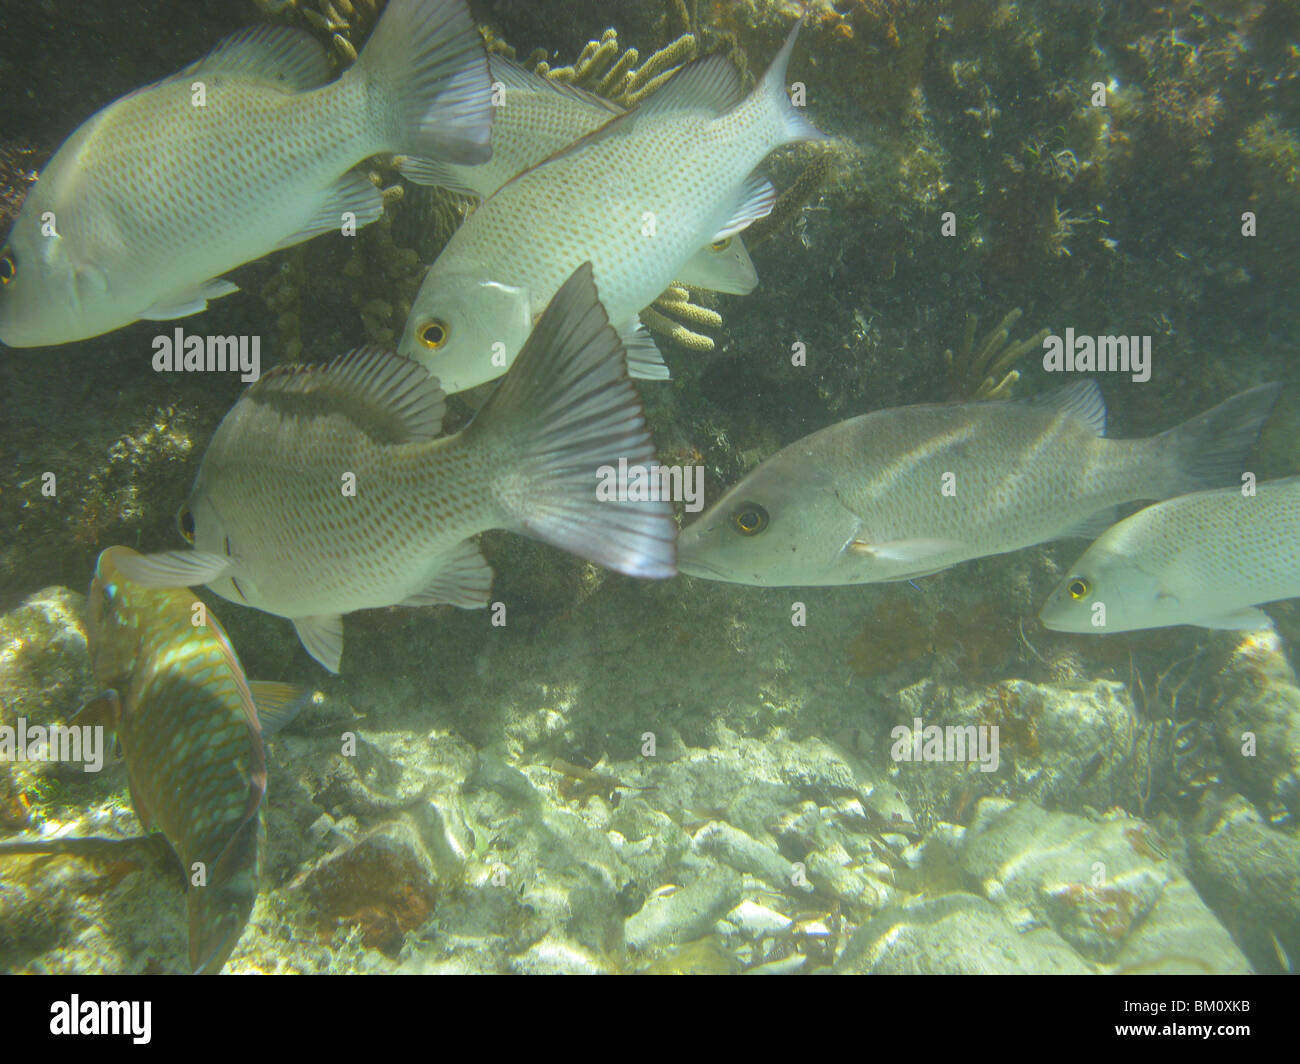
502, 810
744, 820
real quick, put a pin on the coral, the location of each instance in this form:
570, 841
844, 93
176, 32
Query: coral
985, 371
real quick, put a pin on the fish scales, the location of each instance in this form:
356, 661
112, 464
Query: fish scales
638, 198
1205, 558
326, 489
280, 473
903, 493
248, 150
191, 738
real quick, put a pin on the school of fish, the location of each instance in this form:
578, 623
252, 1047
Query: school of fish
330, 487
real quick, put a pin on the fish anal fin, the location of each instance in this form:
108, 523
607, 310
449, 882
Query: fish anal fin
1248, 619
464, 580
353, 199
322, 638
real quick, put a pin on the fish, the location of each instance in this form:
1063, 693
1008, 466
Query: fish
190, 728
538, 117
246, 151
903, 493
638, 198
326, 490
1209, 558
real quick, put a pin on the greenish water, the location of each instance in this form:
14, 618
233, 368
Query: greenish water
688, 775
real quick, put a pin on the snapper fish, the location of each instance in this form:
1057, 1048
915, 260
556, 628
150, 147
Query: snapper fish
325, 489
190, 729
248, 150
638, 198
1209, 559
904, 493
538, 117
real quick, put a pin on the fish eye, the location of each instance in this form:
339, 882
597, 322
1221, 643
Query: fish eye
8, 266
721, 245
750, 519
1078, 588
433, 334
185, 521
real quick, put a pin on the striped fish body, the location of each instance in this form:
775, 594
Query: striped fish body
1207, 559
638, 198
190, 735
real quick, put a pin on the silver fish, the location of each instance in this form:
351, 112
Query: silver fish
638, 198
325, 490
246, 151
1208, 559
538, 117
908, 492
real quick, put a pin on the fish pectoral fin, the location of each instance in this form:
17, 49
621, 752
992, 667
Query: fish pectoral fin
278, 703
190, 301
1093, 525
904, 550
757, 198
100, 711
322, 638
91, 281
352, 200
464, 580
174, 568
644, 360
1246, 620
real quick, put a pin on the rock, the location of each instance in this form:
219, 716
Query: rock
1249, 874
1258, 724
1103, 886
1062, 747
686, 914
956, 934
384, 884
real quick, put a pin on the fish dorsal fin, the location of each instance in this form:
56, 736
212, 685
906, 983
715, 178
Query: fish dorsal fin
388, 396
709, 84
290, 58
514, 77
1081, 399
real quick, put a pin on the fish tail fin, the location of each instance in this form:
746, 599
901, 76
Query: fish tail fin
426, 73
219, 908
774, 94
1210, 450
570, 420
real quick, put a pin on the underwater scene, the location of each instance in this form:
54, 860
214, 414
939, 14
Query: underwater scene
649, 486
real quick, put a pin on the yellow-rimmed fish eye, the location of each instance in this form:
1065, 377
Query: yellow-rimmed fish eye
433, 334
750, 519
8, 266
721, 245
185, 522
1078, 588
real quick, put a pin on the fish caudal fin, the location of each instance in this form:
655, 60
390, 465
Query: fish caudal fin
426, 71
772, 93
571, 422
219, 909
1210, 450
